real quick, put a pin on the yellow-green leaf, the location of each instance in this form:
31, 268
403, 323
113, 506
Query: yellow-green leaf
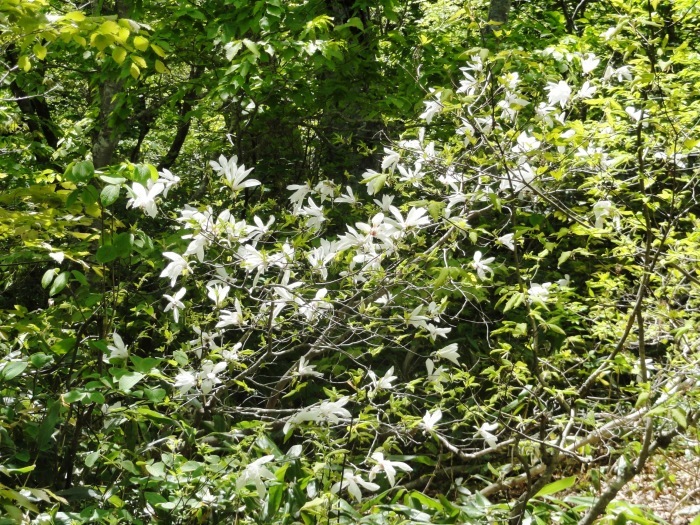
75, 16
160, 67
23, 63
119, 54
158, 50
39, 51
139, 61
140, 43
134, 71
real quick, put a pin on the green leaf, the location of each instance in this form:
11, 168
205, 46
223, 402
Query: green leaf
140, 43
59, 283
39, 51
46, 429
106, 253
160, 67
123, 243
48, 277
556, 486
91, 459
678, 416
109, 194
119, 54
82, 171
129, 380
13, 369
252, 47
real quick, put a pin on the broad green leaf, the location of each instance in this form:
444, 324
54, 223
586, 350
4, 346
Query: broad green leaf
39, 51
158, 50
24, 63
129, 380
252, 47
47, 278
119, 54
109, 194
59, 283
160, 67
134, 70
91, 459
46, 429
140, 43
83, 171
13, 369
556, 486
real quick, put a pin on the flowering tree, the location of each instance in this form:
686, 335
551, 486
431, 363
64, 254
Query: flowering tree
513, 284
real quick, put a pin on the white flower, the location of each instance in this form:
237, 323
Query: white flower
330, 412
526, 143
485, 431
209, 374
300, 193
416, 217
415, 318
374, 181
587, 90
482, 266
602, 209
234, 175
168, 180
412, 176
218, 293
539, 293
184, 381
558, 93
144, 196
305, 369
174, 303
383, 382
314, 213
389, 468
118, 350
176, 268
255, 474
325, 189
435, 375
352, 483
507, 241
390, 160
565, 282
634, 113
434, 332
430, 419
432, 107
449, 352
519, 179
589, 62
229, 317
385, 203
348, 198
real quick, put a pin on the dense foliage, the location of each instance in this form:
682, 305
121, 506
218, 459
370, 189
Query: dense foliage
372, 262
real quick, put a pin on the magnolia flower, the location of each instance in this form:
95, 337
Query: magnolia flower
526, 143
587, 90
352, 483
305, 369
314, 213
118, 350
255, 473
482, 266
390, 160
176, 268
168, 180
634, 113
233, 174
416, 319
144, 196
434, 331
485, 431
218, 293
184, 381
300, 193
348, 198
565, 282
435, 375
602, 209
229, 317
325, 189
383, 382
539, 293
507, 241
432, 107
374, 181
330, 412
209, 374
389, 468
416, 217
385, 203
174, 303
589, 62
558, 93
430, 419
449, 352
